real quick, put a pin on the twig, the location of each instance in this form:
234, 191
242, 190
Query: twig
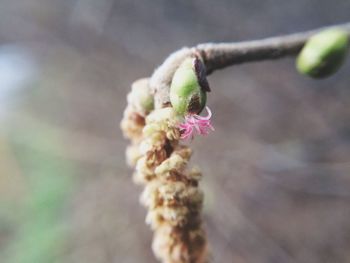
220, 55
217, 56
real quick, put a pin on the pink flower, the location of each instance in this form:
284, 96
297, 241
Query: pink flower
196, 124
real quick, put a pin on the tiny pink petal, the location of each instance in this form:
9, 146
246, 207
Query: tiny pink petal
195, 124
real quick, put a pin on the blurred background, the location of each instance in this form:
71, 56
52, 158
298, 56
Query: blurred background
276, 170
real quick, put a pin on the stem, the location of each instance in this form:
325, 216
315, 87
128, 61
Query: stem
220, 55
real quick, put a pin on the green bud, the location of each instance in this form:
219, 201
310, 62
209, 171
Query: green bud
323, 53
141, 97
188, 87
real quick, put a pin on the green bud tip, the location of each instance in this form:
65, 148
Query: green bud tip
189, 86
323, 53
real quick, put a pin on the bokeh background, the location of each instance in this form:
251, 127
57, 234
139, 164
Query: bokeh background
276, 170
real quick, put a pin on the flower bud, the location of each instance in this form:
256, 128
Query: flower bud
140, 96
323, 53
188, 87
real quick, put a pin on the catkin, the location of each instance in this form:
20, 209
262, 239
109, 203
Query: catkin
171, 192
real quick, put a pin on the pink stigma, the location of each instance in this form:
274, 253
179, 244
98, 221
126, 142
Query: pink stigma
196, 124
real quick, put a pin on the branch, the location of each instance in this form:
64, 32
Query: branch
220, 55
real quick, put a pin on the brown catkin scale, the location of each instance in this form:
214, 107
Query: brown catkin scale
134, 120
171, 193
132, 124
